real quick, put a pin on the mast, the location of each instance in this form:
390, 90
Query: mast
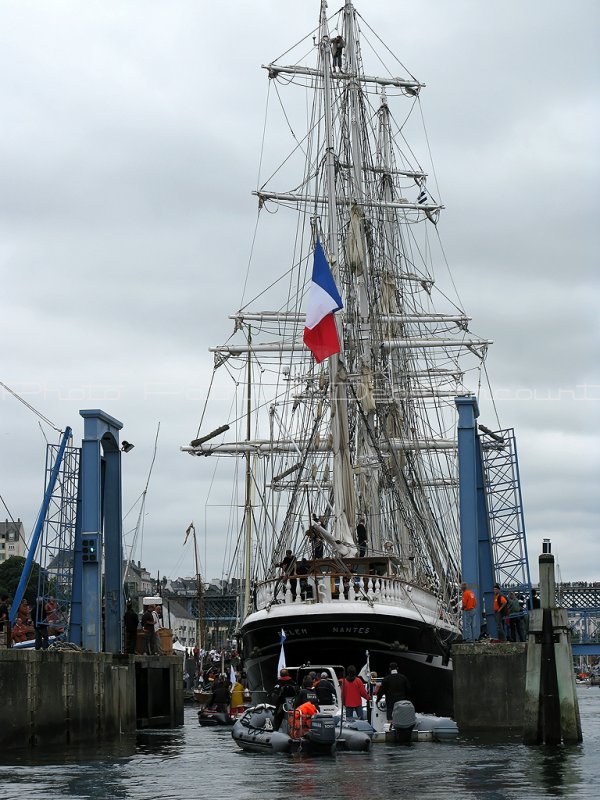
343, 484
200, 632
388, 303
248, 491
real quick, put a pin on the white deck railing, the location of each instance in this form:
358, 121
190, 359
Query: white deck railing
311, 589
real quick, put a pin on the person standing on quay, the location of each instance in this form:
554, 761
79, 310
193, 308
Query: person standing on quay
130, 623
41, 625
151, 643
4, 626
500, 611
469, 604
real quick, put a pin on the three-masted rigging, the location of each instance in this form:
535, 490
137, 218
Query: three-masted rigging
370, 433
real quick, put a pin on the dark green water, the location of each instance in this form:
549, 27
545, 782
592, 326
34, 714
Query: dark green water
195, 762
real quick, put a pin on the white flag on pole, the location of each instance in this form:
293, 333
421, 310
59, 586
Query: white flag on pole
365, 672
281, 664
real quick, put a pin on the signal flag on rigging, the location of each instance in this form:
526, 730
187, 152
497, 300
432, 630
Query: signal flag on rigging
320, 334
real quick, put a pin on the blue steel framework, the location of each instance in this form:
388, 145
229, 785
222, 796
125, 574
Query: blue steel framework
37, 531
492, 530
505, 510
58, 534
582, 602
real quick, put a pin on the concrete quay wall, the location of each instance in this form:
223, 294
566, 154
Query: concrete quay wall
489, 685
66, 697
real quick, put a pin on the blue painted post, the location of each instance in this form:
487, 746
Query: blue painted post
98, 537
91, 527
39, 525
76, 620
477, 563
468, 411
486, 561
113, 551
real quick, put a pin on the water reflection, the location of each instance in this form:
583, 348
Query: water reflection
559, 770
168, 744
205, 762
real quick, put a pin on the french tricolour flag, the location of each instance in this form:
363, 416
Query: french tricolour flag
320, 334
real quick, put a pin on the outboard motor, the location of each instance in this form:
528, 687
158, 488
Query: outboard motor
322, 729
404, 720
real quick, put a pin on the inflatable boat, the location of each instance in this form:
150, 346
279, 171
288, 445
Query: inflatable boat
323, 736
209, 717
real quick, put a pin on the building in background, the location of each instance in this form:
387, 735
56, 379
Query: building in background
180, 621
12, 539
138, 583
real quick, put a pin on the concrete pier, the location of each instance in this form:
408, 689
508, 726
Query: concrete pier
551, 705
489, 685
68, 697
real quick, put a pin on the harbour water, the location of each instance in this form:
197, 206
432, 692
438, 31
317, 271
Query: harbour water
194, 762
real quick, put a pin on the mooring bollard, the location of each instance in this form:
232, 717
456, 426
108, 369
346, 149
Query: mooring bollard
551, 714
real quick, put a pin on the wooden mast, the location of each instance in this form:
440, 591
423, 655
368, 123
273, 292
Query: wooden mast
200, 622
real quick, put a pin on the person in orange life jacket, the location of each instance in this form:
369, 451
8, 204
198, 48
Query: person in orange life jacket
500, 612
394, 687
301, 719
285, 688
307, 694
353, 691
469, 604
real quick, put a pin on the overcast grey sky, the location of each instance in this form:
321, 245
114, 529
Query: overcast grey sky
129, 145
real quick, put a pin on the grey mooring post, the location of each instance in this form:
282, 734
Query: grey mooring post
551, 714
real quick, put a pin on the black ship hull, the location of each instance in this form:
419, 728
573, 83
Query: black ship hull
334, 639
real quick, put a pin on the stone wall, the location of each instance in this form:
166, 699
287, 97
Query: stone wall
63, 697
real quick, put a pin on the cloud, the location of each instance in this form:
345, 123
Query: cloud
131, 141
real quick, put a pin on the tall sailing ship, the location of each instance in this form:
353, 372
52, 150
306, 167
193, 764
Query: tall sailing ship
348, 459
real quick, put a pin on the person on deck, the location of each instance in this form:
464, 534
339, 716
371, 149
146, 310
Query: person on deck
361, 538
353, 693
469, 604
283, 690
303, 569
316, 543
394, 687
288, 565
